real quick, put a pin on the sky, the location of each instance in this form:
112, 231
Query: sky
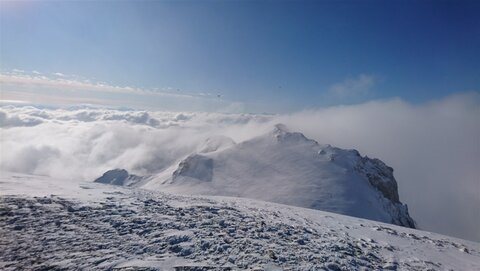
237, 56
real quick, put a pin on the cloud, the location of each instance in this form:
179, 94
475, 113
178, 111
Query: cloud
62, 89
30, 158
67, 83
18, 71
63, 84
18, 120
359, 85
12, 116
433, 147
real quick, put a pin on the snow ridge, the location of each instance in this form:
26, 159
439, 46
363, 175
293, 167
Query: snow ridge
287, 167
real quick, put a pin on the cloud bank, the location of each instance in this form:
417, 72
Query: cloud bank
434, 147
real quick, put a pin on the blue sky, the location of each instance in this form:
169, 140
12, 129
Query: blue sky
259, 56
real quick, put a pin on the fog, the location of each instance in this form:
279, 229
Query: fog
433, 147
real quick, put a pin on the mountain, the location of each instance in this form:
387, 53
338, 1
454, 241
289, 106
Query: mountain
288, 168
119, 177
55, 224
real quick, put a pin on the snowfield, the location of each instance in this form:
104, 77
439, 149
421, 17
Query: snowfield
48, 223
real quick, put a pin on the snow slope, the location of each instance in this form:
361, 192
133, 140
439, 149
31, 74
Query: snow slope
288, 168
56, 224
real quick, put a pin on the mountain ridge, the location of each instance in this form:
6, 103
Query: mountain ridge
287, 167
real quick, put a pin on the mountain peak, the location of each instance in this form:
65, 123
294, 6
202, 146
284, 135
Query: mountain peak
118, 177
286, 167
280, 128
283, 134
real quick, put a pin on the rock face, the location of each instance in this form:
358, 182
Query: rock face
118, 177
381, 177
286, 167
197, 167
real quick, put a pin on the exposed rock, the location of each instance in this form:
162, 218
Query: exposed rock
197, 167
118, 177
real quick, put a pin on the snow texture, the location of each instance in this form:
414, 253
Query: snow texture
47, 224
286, 167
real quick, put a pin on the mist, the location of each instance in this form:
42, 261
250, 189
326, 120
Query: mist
433, 147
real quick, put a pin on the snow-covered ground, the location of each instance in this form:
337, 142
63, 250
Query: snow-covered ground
62, 224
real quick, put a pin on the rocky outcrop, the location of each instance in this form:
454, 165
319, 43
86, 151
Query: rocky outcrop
195, 166
119, 177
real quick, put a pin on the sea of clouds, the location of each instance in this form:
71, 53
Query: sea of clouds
434, 147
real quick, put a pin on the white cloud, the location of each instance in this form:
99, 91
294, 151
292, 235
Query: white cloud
18, 71
434, 147
67, 83
359, 85
62, 84
18, 120
62, 89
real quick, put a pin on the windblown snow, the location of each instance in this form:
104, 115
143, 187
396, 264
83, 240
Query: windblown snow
47, 223
286, 167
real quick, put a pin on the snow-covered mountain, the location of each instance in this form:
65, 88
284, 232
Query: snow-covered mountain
286, 167
57, 224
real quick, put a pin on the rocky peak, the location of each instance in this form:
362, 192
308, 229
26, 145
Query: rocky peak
118, 177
